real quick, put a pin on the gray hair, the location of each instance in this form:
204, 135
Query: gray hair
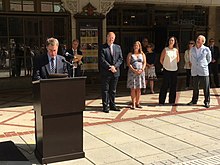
202, 37
52, 41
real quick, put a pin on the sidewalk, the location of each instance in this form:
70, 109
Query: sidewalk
153, 135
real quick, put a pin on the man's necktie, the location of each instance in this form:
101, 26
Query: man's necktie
212, 49
52, 66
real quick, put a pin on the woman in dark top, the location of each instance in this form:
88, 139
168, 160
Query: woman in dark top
150, 66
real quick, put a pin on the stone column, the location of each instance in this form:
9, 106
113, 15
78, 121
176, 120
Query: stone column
217, 33
73, 7
105, 7
212, 22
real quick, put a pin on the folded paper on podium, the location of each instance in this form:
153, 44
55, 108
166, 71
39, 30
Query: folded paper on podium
77, 58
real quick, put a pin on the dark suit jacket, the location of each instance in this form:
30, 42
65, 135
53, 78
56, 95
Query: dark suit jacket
70, 58
70, 51
106, 59
41, 68
215, 53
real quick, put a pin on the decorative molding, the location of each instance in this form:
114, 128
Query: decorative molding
89, 11
106, 6
71, 5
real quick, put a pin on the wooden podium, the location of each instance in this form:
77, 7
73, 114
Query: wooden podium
59, 105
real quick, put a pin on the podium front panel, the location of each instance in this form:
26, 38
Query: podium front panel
62, 96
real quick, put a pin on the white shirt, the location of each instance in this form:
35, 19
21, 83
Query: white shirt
170, 59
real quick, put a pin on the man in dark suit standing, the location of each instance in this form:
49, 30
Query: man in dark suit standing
50, 63
71, 57
110, 59
213, 66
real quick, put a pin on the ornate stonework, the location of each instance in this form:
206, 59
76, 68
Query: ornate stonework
106, 6
71, 5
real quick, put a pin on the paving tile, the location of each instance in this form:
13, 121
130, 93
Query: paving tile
15, 163
151, 159
193, 125
196, 139
126, 162
110, 135
138, 131
186, 152
106, 155
90, 142
171, 130
212, 146
202, 117
169, 144
175, 120
73, 162
138, 149
152, 123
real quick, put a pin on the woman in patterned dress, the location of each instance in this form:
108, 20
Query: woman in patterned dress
136, 62
150, 72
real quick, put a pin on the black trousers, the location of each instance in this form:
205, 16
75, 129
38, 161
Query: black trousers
213, 70
169, 82
204, 81
188, 76
109, 84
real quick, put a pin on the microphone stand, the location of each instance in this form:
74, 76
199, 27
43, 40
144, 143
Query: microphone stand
74, 66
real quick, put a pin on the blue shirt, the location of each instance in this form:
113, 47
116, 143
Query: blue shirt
200, 58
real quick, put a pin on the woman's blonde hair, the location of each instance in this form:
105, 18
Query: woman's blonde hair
140, 47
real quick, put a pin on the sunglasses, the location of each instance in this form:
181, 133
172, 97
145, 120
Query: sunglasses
191, 43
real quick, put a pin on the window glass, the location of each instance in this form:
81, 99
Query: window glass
15, 5
197, 17
46, 6
163, 18
28, 5
112, 17
1, 6
135, 17
3, 26
59, 28
15, 26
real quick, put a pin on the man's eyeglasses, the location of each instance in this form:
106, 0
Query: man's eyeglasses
191, 43
212, 41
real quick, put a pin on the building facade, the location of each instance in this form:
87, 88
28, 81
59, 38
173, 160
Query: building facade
26, 24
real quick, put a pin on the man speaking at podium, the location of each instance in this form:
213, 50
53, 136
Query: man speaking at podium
51, 63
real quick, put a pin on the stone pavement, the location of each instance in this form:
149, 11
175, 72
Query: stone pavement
153, 135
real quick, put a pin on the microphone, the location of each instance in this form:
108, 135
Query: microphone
68, 54
67, 62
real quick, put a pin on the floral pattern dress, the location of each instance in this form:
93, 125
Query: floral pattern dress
134, 80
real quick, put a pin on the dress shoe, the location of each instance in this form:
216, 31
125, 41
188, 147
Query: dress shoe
106, 110
207, 105
191, 103
114, 109
138, 106
132, 107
